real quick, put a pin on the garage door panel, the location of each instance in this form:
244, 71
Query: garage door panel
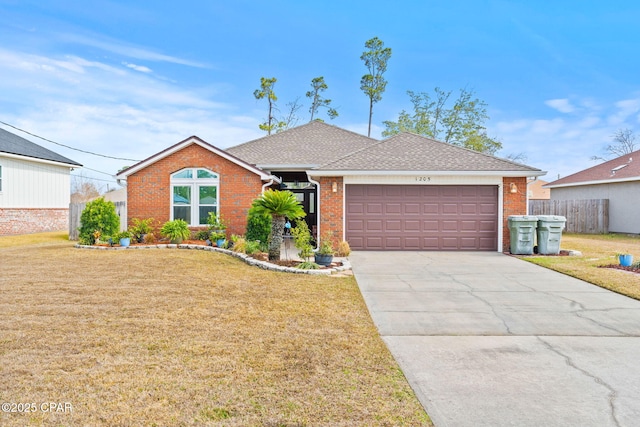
412, 244
397, 217
355, 208
487, 209
355, 225
393, 226
373, 208
393, 243
430, 208
469, 226
412, 208
490, 226
430, 226
412, 226
449, 226
449, 208
393, 208
468, 209
373, 226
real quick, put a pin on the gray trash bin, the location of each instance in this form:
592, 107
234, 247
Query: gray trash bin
550, 233
522, 230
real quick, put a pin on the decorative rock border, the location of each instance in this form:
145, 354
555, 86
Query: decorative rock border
265, 265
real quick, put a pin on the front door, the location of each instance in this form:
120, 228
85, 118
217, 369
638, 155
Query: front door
307, 197
306, 193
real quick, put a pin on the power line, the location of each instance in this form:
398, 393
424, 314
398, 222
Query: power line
66, 146
93, 179
94, 170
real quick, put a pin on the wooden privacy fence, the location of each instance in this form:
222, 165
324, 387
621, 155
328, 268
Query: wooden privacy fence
75, 211
589, 216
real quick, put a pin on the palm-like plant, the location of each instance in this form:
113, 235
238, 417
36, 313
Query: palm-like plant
279, 205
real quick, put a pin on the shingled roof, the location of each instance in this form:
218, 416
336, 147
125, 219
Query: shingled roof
322, 147
309, 145
13, 144
623, 168
412, 152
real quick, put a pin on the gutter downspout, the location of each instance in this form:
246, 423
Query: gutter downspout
268, 184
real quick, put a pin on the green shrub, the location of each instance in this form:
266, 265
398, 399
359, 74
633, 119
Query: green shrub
176, 230
258, 226
302, 239
98, 215
308, 265
140, 227
252, 246
202, 235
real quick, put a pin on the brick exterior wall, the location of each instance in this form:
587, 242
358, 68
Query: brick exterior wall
514, 204
331, 207
32, 220
149, 190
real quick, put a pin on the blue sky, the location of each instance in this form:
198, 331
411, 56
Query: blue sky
130, 78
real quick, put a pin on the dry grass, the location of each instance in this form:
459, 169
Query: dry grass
597, 250
181, 337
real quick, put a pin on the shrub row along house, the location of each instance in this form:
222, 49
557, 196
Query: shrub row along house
34, 187
406, 192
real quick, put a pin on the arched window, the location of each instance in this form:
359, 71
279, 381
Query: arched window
194, 193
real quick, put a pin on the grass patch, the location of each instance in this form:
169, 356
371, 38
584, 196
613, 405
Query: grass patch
34, 239
597, 250
172, 337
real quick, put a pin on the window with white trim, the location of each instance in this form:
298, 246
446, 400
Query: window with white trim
194, 193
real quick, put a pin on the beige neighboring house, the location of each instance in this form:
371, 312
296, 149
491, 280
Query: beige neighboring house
119, 198
535, 190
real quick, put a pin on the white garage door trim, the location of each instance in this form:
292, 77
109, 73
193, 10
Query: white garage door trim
443, 239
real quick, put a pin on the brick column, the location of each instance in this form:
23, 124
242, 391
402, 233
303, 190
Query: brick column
331, 207
513, 204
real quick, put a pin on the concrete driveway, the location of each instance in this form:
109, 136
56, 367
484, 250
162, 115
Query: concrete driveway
486, 339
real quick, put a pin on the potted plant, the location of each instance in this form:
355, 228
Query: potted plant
219, 237
324, 256
176, 231
124, 237
140, 228
625, 259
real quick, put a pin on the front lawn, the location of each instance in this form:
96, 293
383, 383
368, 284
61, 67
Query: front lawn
170, 337
597, 250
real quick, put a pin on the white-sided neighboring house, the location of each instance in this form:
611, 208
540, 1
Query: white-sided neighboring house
617, 180
34, 187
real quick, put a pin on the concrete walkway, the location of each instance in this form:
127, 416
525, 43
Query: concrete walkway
486, 339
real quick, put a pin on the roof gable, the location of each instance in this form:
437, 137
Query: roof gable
623, 168
306, 146
411, 152
18, 146
183, 144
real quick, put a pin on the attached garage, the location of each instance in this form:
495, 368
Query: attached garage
422, 217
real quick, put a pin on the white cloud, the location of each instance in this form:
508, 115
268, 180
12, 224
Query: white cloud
625, 109
140, 68
563, 105
120, 112
125, 49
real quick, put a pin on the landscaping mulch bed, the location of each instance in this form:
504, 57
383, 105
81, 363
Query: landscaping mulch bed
635, 268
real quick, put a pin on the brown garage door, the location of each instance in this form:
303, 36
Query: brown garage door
422, 217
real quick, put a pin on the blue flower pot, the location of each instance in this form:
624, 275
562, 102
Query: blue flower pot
625, 260
126, 241
220, 243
